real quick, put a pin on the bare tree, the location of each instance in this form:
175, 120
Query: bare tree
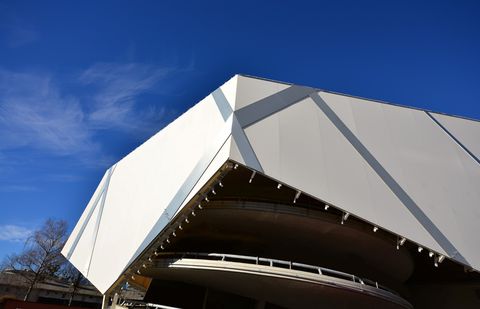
41, 257
73, 277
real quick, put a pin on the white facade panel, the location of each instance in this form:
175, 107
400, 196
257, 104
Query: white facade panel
428, 166
212, 167
144, 185
82, 256
302, 147
465, 131
235, 152
79, 245
252, 90
229, 89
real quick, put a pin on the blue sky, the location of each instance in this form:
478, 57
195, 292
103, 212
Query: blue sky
82, 84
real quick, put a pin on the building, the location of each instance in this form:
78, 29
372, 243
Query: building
50, 292
272, 195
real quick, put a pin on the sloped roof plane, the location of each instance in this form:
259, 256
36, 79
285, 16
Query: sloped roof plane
412, 172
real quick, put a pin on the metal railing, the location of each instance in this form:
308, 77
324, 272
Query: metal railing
142, 304
279, 264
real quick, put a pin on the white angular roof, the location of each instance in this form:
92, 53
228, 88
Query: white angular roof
412, 172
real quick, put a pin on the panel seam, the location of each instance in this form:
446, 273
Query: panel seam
100, 213
456, 140
389, 181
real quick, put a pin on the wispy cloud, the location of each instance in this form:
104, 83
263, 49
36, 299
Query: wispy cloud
21, 36
35, 112
63, 177
15, 31
18, 188
14, 233
118, 86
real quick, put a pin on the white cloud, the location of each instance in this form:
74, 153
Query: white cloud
14, 31
118, 85
18, 188
14, 233
35, 112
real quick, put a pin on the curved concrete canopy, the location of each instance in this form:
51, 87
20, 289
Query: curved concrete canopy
285, 287
270, 230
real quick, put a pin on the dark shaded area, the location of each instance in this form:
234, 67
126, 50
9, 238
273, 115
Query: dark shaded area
218, 300
184, 295
175, 294
260, 219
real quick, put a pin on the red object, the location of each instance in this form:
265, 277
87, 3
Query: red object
18, 304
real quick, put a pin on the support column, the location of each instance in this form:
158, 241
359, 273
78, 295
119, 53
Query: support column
106, 299
115, 301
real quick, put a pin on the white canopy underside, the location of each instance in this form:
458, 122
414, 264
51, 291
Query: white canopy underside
412, 172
